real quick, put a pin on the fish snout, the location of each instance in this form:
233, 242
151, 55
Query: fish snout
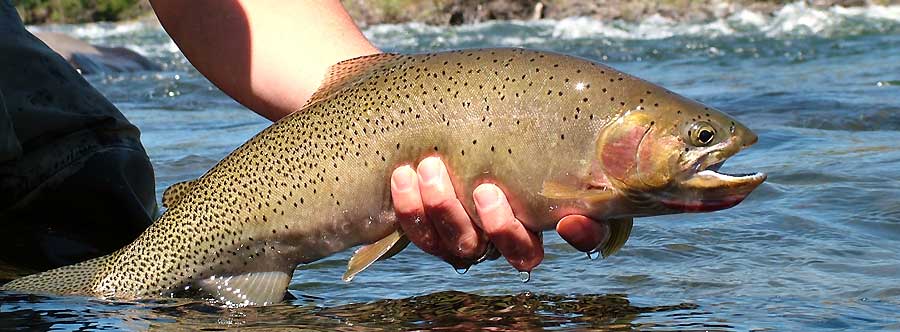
745, 136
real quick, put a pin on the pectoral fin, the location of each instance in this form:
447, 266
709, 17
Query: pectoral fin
248, 289
176, 192
556, 190
619, 231
385, 248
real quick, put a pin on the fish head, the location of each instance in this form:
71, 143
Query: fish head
664, 156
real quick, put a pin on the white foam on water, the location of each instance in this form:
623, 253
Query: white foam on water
115, 34
746, 17
792, 19
97, 30
795, 19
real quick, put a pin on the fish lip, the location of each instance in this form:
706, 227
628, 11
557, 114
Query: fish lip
710, 179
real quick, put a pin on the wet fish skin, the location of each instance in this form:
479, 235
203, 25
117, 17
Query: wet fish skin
560, 134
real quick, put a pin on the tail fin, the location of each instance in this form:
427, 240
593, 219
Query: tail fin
67, 280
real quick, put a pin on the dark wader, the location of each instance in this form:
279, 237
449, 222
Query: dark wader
75, 181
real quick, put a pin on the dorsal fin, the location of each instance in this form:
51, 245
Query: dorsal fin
347, 72
176, 192
619, 231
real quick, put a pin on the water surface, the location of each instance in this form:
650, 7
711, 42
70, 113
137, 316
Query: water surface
816, 247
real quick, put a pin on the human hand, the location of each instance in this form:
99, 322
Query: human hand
434, 219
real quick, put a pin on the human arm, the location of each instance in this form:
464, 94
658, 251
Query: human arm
268, 55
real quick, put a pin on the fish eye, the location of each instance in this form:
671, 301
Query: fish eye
702, 134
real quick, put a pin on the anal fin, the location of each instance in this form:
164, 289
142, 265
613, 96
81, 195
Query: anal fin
247, 289
383, 249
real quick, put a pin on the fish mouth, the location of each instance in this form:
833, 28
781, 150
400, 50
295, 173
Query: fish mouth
704, 188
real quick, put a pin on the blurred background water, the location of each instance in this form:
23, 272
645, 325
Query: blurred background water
816, 247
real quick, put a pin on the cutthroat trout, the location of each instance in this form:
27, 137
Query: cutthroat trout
562, 135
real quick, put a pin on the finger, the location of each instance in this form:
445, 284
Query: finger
454, 228
410, 211
522, 248
583, 233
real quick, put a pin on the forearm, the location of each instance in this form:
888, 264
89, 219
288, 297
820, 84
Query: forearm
268, 55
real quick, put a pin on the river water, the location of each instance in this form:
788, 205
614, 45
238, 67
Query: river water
816, 247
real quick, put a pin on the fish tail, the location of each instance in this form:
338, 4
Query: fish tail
77, 279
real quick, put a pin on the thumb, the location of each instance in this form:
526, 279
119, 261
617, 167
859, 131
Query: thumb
583, 233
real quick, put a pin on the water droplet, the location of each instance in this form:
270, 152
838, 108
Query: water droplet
461, 270
524, 276
593, 255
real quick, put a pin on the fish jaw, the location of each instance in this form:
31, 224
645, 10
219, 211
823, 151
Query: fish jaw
709, 190
703, 188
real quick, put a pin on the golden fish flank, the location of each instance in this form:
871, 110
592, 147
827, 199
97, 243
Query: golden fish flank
562, 134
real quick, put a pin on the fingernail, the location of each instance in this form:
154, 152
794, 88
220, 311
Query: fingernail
430, 171
486, 197
401, 180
